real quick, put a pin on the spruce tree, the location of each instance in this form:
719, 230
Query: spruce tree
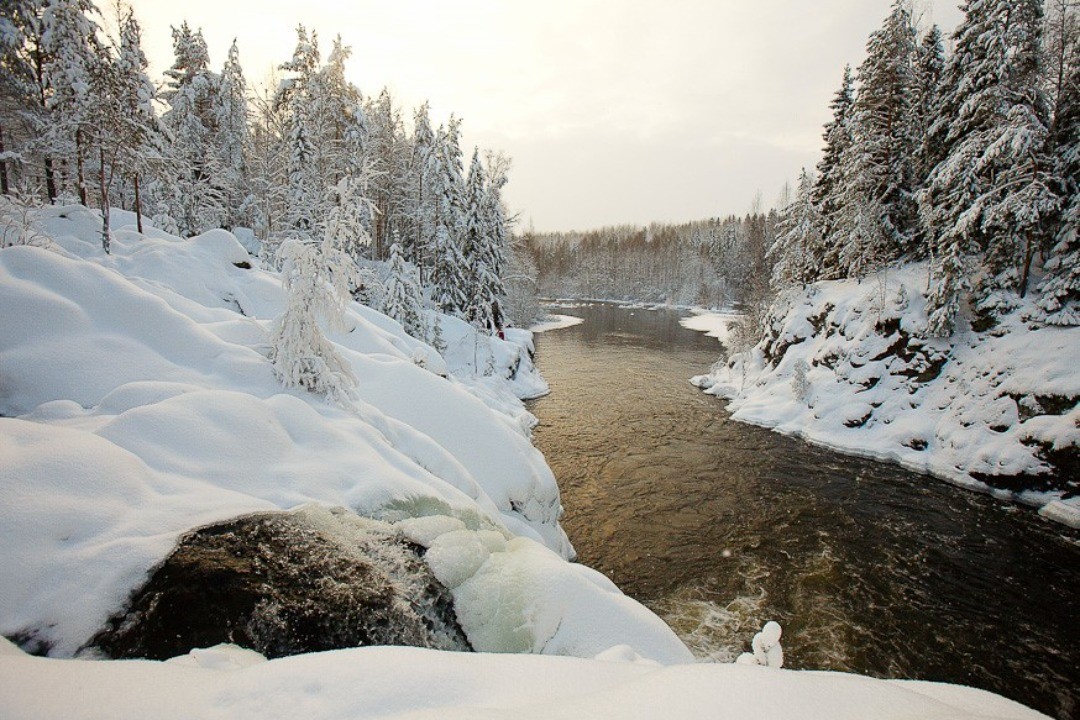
192, 195
991, 195
875, 220
1059, 303
404, 300
798, 230
232, 139
830, 179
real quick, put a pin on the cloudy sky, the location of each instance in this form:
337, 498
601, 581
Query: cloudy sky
614, 111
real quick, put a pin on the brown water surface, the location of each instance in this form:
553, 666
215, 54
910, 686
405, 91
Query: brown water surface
719, 526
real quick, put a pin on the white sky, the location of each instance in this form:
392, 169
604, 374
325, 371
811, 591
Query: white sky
614, 111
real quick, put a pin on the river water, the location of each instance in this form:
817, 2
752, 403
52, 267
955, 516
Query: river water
720, 526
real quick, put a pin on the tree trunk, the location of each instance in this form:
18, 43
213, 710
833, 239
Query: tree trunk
50, 180
4, 187
1025, 271
138, 205
105, 239
80, 175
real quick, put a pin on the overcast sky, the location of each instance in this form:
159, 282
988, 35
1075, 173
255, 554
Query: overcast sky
614, 111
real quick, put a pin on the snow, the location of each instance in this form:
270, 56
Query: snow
137, 402
962, 408
399, 682
713, 323
556, 322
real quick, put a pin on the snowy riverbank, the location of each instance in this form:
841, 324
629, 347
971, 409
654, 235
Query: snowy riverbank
137, 403
845, 366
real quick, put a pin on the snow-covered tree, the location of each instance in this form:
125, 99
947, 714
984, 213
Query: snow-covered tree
992, 193
423, 179
139, 137
830, 179
318, 276
190, 190
798, 230
305, 184
404, 299
450, 274
929, 68
875, 213
232, 139
1059, 303
70, 52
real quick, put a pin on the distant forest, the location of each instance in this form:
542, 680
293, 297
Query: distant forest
969, 161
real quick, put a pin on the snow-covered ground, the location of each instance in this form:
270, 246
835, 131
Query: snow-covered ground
712, 323
397, 682
137, 403
556, 322
846, 366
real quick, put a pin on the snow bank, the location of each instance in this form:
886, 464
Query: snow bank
556, 322
395, 682
137, 402
712, 323
846, 365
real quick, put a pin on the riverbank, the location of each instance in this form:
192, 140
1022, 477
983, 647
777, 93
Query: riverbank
139, 405
845, 365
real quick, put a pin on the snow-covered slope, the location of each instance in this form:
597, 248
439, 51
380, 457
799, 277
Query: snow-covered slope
137, 403
846, 365
394, 682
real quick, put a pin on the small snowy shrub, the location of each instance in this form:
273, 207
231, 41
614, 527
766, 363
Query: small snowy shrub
316, 277
800, 386
766, 648
18, 225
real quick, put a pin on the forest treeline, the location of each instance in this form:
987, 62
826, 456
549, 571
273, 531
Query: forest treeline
310, 160
968, 160
717, 262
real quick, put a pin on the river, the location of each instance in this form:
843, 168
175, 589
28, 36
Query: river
720, 526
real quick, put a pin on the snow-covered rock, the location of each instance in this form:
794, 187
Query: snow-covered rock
847, 365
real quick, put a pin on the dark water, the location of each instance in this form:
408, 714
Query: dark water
720, 526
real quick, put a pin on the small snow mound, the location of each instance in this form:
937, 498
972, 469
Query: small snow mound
225, 656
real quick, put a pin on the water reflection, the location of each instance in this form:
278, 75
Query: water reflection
719, 526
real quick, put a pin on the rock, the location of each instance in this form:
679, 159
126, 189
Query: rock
283, 584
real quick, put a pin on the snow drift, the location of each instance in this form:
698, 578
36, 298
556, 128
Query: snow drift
139, 403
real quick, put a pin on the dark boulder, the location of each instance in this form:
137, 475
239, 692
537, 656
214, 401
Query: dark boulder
283, 584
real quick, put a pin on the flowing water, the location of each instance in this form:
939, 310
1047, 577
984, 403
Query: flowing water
720, 526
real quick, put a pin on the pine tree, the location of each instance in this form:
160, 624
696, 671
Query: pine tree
450, 272
875, 220
825, 257
423, 179
305, 186
475, 248
318, 276
70, 50
232, 138
1059, 303
22, 93
930, 67
991, 195
798, 230
193, 199
140, 136
404, 300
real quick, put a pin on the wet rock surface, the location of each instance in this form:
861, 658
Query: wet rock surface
283, 584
